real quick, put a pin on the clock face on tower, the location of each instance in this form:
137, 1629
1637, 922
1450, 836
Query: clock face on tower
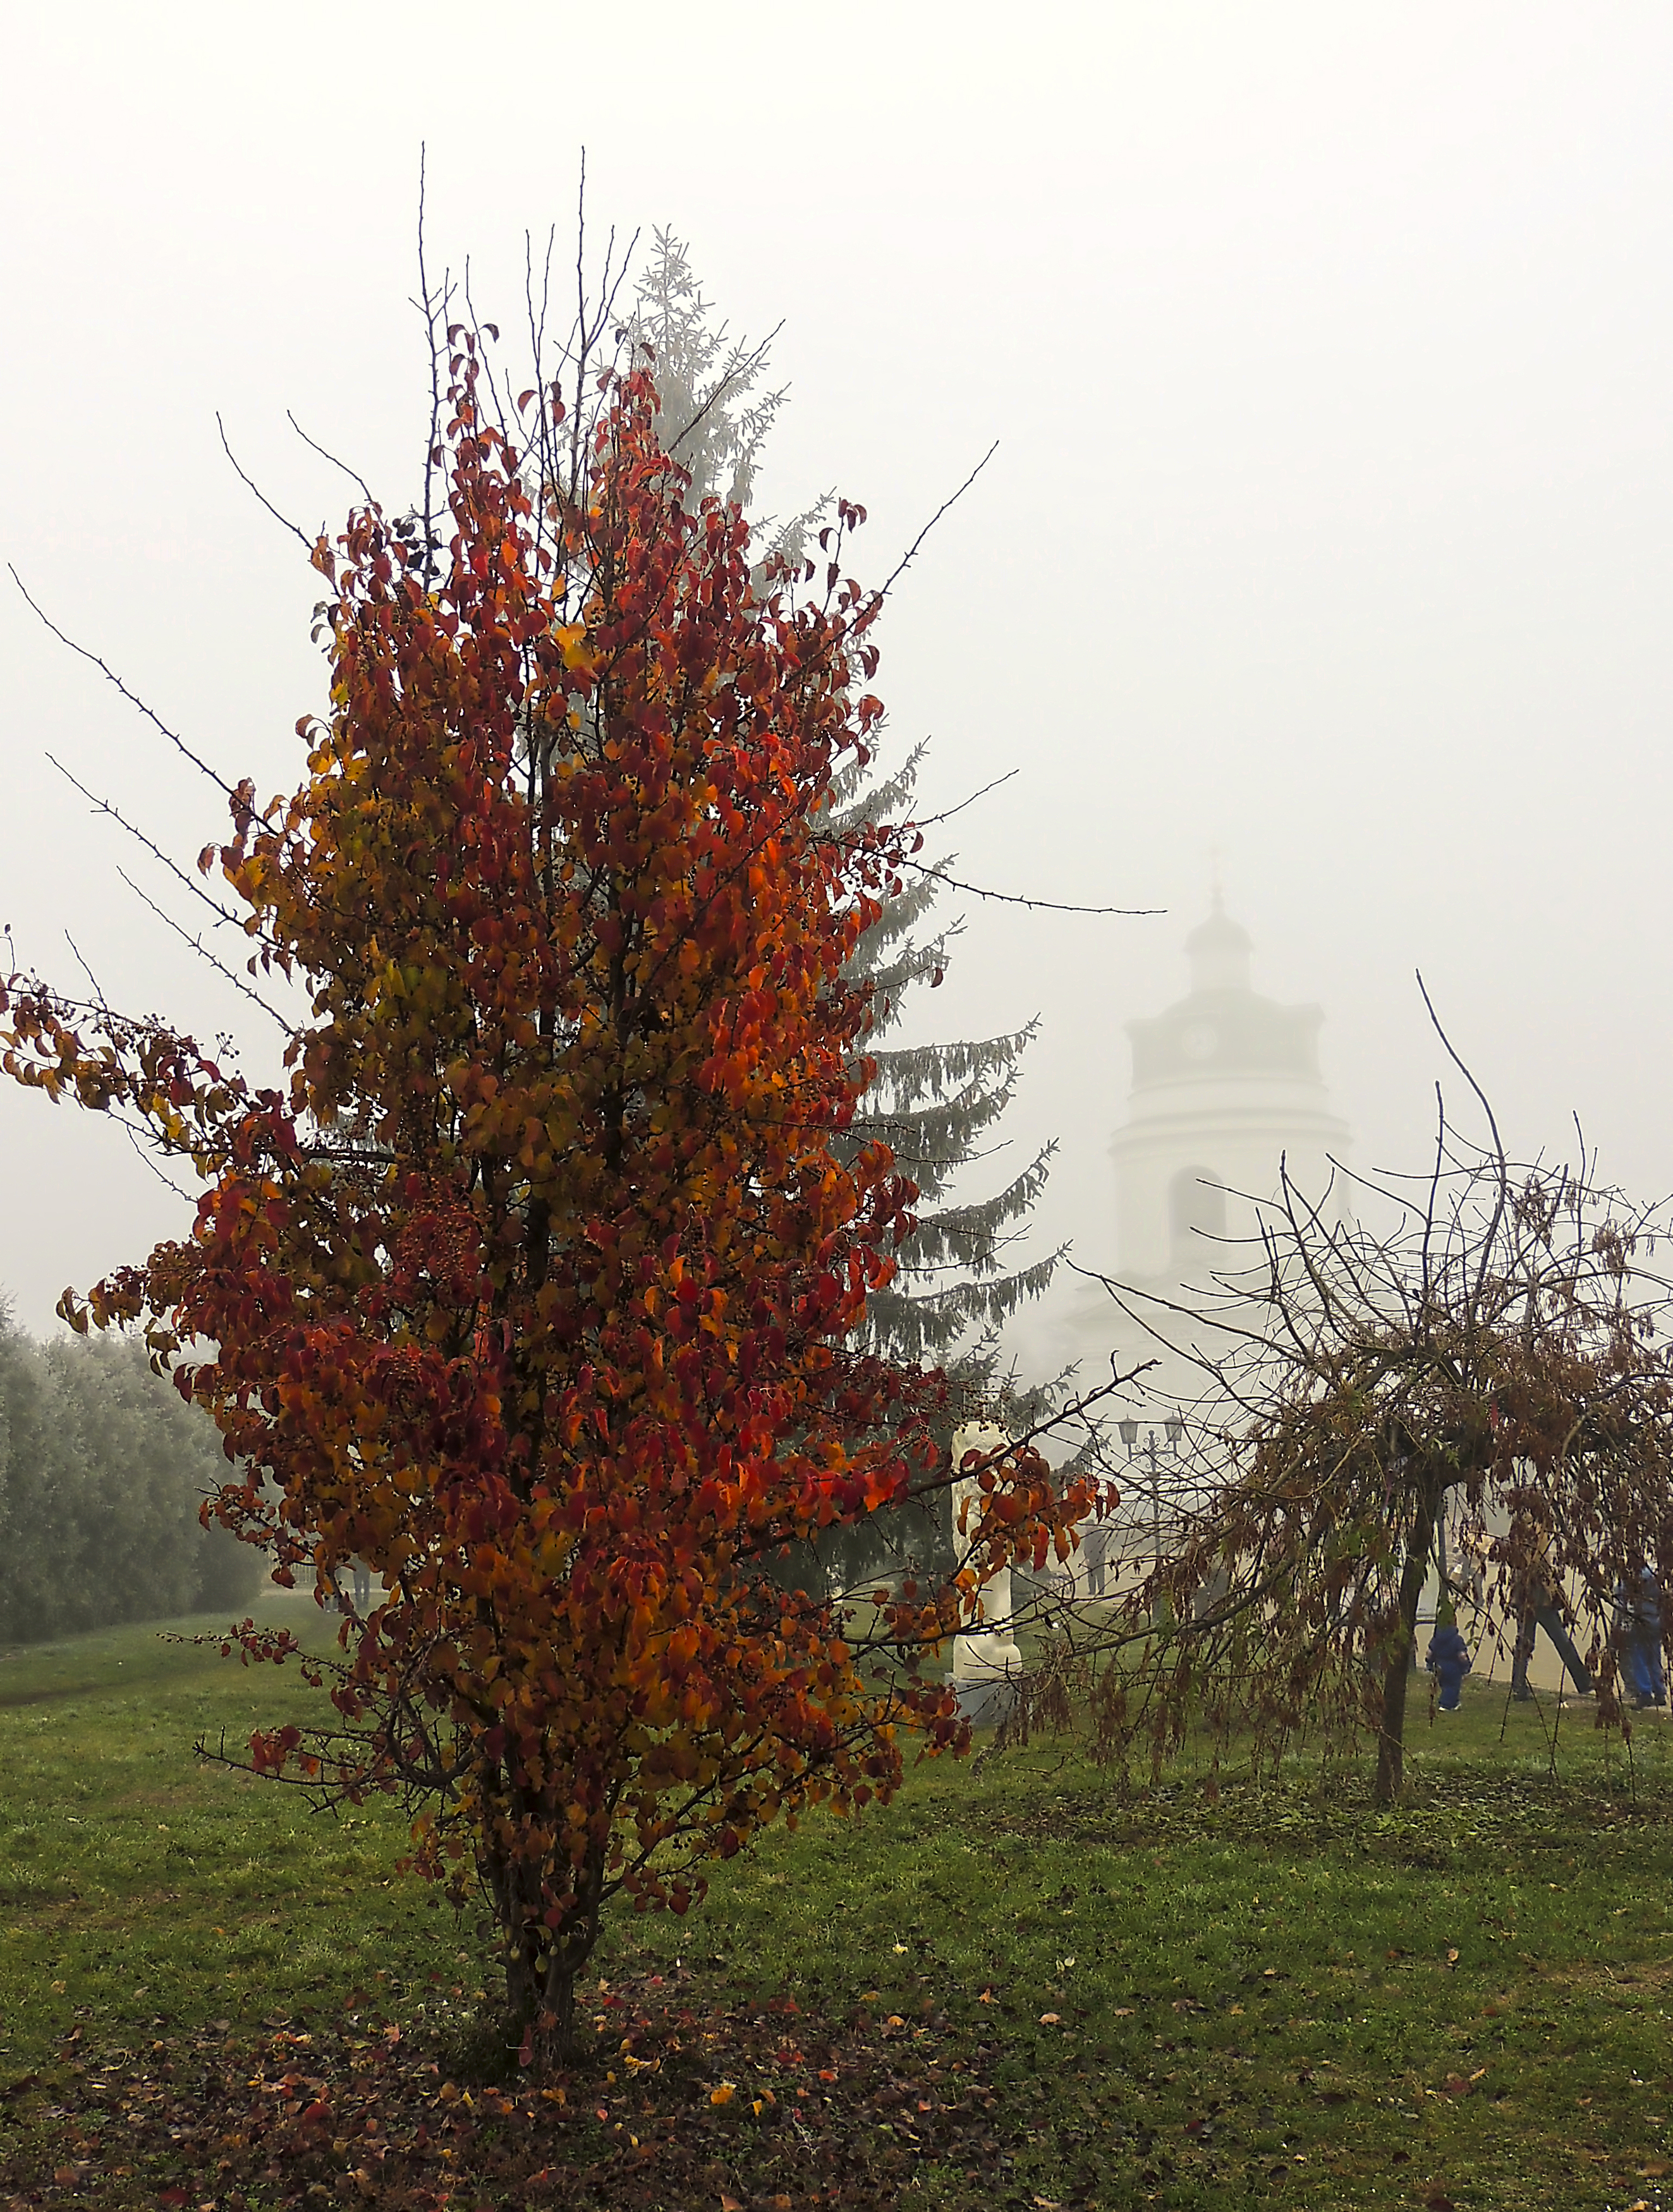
1197, 1042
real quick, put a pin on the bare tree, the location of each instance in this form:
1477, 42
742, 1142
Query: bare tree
1482, 1389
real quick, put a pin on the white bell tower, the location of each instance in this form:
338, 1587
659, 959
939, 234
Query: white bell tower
1226, 1097
1226, 1093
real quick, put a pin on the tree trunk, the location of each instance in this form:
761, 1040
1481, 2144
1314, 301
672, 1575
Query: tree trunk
543, 1967
1396, 1665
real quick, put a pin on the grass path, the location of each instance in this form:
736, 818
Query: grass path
1012, 1987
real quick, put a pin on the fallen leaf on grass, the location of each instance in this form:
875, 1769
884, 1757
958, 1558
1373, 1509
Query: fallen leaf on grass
215, 2115
1049, 2019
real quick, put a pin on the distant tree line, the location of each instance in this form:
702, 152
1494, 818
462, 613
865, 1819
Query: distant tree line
102, 1470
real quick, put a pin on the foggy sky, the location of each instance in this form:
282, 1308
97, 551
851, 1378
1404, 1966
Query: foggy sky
1329, 351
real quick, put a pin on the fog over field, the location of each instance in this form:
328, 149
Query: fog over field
1328, 548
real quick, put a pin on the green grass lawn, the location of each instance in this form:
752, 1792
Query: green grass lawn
1176, 1997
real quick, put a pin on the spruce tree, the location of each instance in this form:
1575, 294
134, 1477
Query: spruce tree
937, 1105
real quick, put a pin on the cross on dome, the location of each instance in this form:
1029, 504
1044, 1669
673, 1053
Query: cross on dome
1219, 950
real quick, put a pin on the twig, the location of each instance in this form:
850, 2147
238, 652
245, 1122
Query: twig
911, 551
738, 374
237, 981
104, 806
139, 1141
132, 698
1016, 898
133, 1135
353, 475
94, 984
426, 307
930, 821
1501, 1167
244, 477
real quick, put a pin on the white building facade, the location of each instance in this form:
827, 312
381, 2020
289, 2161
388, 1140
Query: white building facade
1227, 1103
1227, 1100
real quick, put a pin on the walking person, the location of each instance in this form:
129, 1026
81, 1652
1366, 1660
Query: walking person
1448, 1658
1638, 1631
1540, 1607
1095, 1550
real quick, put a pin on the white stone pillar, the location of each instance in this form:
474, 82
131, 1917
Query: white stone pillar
986, 1659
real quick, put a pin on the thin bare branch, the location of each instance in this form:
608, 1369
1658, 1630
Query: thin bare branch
1016, 898
952, 501
132, 697
239, 983
931, 821
1486, 1109
296, 529
104, 806
353, 475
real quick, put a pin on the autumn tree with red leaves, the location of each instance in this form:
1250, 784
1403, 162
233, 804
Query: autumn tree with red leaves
537, 1287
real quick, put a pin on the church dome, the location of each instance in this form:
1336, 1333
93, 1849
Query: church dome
1223, 1028
1219, 950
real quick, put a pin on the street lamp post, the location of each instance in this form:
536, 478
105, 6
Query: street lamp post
1152, 1454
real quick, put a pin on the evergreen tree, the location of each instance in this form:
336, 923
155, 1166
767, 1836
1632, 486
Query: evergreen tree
937, 1105
41, 1586
103, 1468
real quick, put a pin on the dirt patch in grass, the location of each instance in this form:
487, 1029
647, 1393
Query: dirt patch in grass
682, 2101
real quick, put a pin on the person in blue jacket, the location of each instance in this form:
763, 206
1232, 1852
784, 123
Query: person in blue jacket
1449, 1656
1638, 1630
